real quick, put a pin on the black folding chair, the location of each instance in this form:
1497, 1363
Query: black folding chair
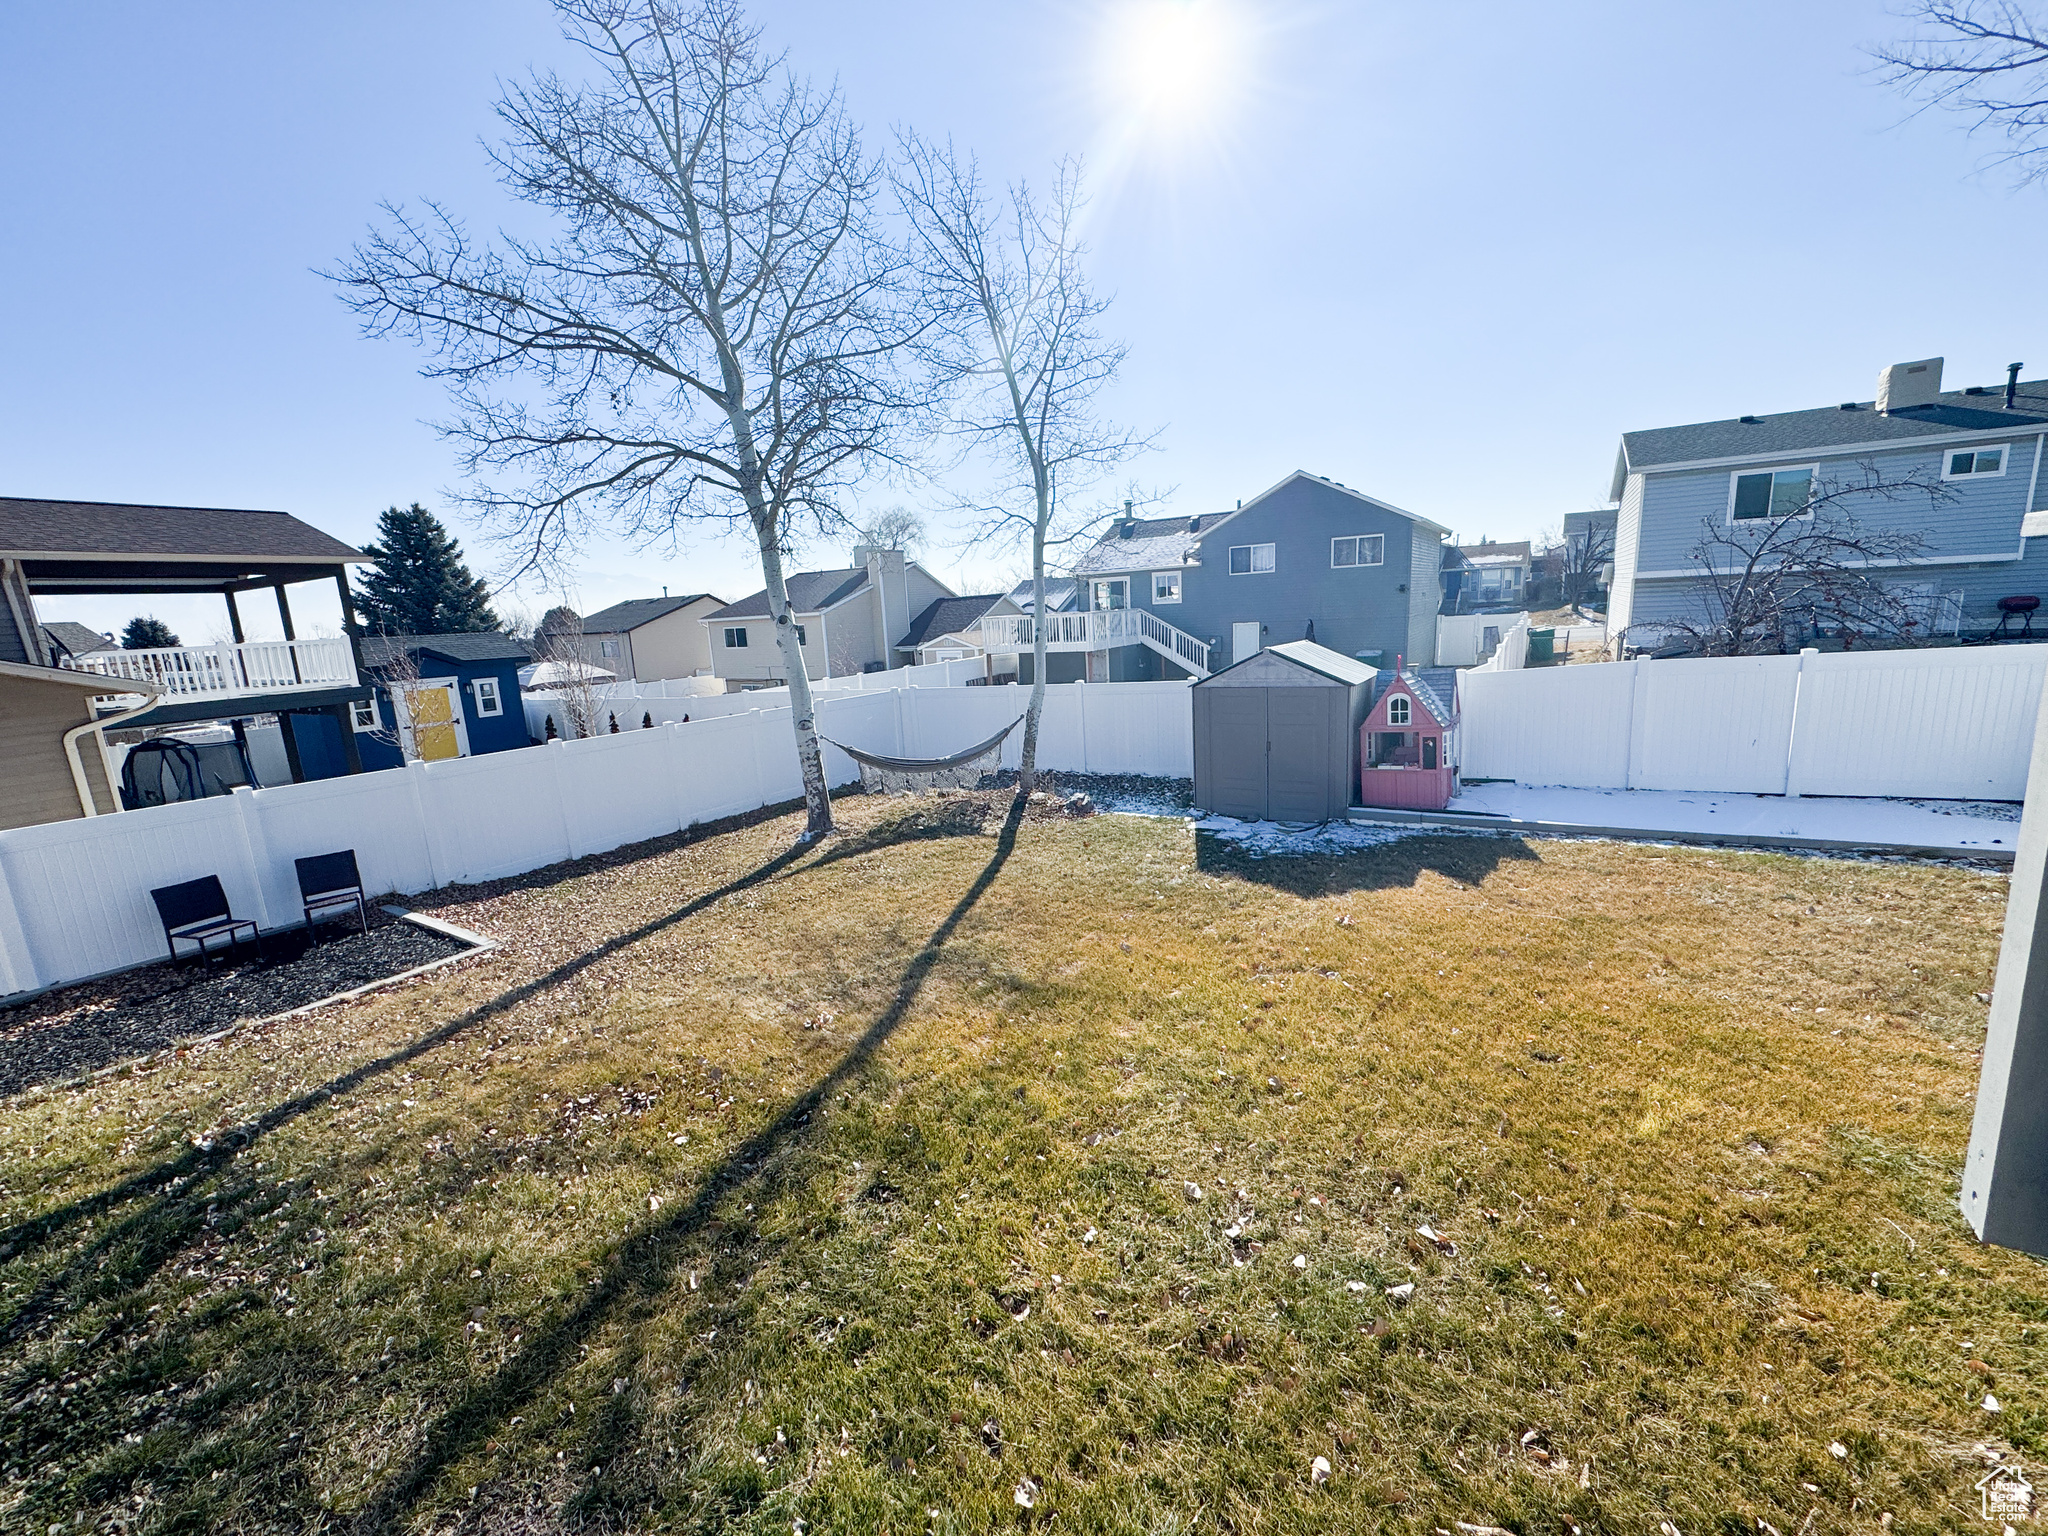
197, 911
329, 880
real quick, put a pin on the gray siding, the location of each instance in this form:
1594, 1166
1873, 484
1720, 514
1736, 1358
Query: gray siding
1425, 595
1354, 609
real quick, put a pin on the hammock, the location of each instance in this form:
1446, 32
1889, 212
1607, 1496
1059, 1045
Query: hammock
923, 764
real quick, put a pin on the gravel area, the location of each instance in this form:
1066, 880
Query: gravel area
96, 1023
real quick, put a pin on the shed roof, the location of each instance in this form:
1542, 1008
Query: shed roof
1310, 657
636, 611
484, 645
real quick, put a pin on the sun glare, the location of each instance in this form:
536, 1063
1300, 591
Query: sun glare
1173, 62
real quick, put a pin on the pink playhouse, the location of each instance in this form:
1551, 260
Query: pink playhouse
1408, 753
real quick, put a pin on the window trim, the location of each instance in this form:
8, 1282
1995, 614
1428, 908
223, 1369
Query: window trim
1406, 716
1737, 476
361, 722
1251, 559
487, 709
1948, 458
736, 645
1379, 540
1159, 576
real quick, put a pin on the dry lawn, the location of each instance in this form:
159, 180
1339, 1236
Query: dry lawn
848, 1190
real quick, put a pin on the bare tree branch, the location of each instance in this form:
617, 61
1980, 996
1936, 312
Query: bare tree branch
1016, 350
1985, 59
712, 335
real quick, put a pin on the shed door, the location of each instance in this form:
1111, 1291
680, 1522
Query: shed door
1236, 753
431, 714
1298, 771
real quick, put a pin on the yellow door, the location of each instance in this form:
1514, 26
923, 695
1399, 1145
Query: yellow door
433, 722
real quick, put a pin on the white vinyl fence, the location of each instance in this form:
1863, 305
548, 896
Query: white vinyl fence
1512, 654
665, 702
74, 895
1939, 724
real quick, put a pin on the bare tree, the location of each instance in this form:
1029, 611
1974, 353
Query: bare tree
400, 675
574, 684
1986, 59
897, 528
1585, 557
712, 334
1017, 351
1809, 564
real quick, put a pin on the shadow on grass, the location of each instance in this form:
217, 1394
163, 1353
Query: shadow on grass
1389, 866
188, 1199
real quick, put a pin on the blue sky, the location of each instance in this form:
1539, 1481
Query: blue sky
1444, 255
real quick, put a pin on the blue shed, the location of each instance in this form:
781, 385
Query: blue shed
466, 700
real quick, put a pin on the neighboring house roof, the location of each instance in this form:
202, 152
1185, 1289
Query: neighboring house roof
76, 639
1832, 428
1496, 554
809, 592
32, 529
485, 645
1059, 591
636, 611
947, 616
1146, 544
1320, 658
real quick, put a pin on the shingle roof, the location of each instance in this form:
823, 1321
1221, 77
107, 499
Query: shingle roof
1837, 426
75, 639
809, 591
1151, 544
30, 529
1059, 591
947, 616
1519, 550
485, 645
635, 611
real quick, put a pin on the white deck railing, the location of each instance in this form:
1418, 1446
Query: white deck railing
1097, 631
226, 670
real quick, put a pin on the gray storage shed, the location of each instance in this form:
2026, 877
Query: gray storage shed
1276, 735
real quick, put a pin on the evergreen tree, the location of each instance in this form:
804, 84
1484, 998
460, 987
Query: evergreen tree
419, 585
147, 634
562, 620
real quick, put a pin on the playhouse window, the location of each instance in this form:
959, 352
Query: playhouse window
487, 700
1429, 751
1396, 749
1397, 709
362, 714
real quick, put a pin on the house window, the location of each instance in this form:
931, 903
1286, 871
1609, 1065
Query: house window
1771, 493
801, 637
487, 699
1397, 709
607, 647
736, 638
1110, 595
1166, 586
362, 714
1251, 559
1971, 462
1365, 549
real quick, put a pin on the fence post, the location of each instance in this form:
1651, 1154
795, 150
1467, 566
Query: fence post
555, 749
1638, 723
17, 966
415, 777
255, 848
1792, 785
674, 752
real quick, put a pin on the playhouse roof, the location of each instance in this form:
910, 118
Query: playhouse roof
1435, 694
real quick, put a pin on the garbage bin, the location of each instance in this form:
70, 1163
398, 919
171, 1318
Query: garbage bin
1542, 645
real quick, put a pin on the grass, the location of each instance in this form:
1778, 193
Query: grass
846, 1190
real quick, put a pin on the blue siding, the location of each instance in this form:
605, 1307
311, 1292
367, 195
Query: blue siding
492, 733
1356, 608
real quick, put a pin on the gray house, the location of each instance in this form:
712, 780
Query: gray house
1982, 444
1308, 559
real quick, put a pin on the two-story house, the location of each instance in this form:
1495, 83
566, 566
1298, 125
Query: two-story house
1171, 597
1494, 575
1981, 445
651, 639
846, 621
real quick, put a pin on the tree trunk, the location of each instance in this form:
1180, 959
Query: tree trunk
803, 713
1027, 763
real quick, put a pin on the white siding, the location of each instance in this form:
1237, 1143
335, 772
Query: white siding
1628, 543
